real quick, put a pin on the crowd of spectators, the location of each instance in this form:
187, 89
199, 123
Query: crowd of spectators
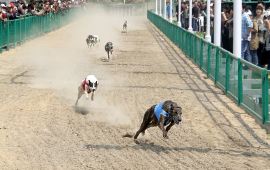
256, 30
255, 46
19, 8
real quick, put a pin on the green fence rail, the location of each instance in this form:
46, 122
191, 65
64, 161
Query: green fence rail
244, 82
16, 31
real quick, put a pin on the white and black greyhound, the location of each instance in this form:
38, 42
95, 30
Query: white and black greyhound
91, 40
87, 86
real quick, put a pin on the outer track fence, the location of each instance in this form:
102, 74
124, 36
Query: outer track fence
14, 32
244, 82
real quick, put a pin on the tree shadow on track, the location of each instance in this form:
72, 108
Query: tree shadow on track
165, 149
13, 79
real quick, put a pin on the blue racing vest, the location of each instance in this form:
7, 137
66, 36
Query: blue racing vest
159, 111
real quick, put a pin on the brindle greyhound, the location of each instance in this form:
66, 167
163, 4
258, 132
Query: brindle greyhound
109, 48
125, 27
164, 114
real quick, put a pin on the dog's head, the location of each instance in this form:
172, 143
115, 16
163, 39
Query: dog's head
175, 111
111, 46
93, 85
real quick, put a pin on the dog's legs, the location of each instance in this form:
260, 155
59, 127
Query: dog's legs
108, 55
169, 127
161, 126
92, 96
80, 93
142, 129
163, 131
144, 125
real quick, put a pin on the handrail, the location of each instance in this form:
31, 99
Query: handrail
13, 32
246, 83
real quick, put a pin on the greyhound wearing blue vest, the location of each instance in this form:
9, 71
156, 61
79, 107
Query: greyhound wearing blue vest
164, 115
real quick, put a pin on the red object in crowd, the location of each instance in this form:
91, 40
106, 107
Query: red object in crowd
12, 5
3, 15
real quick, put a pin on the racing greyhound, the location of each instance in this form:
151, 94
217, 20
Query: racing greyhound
125, 27
90, 41
109, 49
164, 114
87, 86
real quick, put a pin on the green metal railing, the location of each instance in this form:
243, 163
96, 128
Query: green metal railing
17, 31
248, 1
244, 82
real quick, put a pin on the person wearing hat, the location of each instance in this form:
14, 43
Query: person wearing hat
3, 14
12, 11
3, 6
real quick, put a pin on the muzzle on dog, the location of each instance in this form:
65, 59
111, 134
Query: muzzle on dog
176, 119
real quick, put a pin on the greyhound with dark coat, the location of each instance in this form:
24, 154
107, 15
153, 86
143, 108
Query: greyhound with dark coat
164, 114
125, 27
109, 48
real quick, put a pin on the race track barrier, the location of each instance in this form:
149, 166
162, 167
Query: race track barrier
244, 82
13, 32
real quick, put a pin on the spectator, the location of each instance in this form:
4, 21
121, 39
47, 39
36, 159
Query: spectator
47, 8
185, 15
247, 25
3, 13
19, 8
12, 11
254, 42
55, 7
261, 33
168, 9
176, 11
195, 18
266, 52
224, 28
229, 25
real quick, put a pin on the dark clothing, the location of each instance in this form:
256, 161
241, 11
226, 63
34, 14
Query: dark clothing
176, 11
260, 53
196, 11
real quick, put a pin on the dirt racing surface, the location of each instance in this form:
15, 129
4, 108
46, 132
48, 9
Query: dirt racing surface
41, 129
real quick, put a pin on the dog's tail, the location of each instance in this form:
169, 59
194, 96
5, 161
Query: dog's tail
128, 135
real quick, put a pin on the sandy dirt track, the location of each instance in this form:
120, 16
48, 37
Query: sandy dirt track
40, 129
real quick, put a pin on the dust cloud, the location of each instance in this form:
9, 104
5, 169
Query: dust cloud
60, 60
